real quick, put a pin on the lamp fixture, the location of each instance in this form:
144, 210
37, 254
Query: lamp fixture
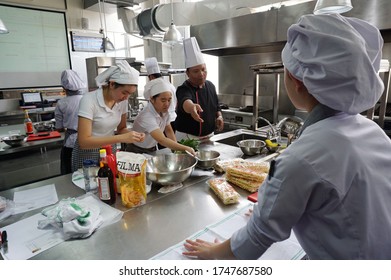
172, 36
332, 6
3, 29
107, 45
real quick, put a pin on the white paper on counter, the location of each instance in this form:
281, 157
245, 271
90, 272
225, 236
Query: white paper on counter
289, 249
35, 198
25, 240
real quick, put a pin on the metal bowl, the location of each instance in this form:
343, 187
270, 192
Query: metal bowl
167, 169
43, 126
14, 140
251, 147
207, 159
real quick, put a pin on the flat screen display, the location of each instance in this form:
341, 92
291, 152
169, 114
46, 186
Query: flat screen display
31, 97
35, 51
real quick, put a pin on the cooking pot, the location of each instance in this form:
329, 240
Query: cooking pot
14, 140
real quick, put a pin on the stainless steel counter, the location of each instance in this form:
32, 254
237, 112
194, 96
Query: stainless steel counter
163, 221
38, 144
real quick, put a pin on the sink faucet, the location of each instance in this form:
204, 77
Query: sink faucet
273, 132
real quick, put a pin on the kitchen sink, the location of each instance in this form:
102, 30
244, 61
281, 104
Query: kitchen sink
232, 140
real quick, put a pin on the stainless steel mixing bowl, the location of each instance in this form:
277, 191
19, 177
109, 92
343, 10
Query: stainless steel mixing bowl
207, 159
14, 140
251, 147
167, 169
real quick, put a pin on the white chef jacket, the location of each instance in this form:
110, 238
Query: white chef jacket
104, 119
333, 187
173, 104
147, 121
65, 115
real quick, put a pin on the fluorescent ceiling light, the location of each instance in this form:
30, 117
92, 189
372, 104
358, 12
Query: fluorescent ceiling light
3, 29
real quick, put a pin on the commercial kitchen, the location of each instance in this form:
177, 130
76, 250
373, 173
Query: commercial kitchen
241, 43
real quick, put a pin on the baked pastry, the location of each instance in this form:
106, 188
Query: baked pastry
252, 171
224, 190
222, 165
246, 184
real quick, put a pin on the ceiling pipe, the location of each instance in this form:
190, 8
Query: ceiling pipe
157, 20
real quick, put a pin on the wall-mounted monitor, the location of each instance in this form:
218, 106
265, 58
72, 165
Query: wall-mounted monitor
86, 42
31, 98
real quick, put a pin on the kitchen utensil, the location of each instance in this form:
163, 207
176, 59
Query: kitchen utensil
168, 169
251, 147
14, 140
207, 159
190, 154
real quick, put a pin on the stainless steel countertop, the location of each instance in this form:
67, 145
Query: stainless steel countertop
143, 232
6, 149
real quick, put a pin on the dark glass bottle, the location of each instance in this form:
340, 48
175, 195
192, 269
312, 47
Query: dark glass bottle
105, 180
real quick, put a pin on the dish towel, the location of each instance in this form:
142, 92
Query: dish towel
74, 217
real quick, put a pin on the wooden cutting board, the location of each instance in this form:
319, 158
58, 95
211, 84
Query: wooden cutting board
43, 135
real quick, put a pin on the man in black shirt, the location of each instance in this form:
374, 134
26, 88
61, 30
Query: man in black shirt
198, 110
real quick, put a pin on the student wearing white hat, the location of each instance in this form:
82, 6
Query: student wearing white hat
154, 120
198, 110
65, 115
332, 185
102, 113
153, 72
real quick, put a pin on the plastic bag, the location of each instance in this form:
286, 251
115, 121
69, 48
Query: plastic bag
132, 178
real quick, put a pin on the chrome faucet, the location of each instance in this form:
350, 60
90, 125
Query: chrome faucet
272, 133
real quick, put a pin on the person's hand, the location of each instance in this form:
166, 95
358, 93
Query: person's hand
200, 249
195, 113
219, 123
133, 136
190, 150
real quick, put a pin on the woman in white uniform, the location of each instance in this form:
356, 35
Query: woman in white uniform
155, 119
102, 114
332, 185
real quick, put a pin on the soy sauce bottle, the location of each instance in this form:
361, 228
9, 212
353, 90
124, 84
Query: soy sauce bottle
105, 180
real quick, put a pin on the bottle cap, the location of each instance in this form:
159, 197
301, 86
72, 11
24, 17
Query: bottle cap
102, 153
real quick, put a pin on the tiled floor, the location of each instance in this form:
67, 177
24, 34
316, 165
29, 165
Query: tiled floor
27, 167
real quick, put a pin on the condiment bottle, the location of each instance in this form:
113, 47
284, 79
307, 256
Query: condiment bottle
112, 162
105, 180
28, 124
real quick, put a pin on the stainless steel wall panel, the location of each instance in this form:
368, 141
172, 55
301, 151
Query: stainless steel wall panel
244, 31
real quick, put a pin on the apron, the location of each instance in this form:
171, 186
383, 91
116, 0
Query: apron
79, 155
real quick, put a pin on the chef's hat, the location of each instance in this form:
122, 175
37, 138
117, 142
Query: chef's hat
122, 74
152, 65
338, 59
155, 87
193, 54
72, 82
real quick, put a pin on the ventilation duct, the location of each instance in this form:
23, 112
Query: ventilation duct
156, 20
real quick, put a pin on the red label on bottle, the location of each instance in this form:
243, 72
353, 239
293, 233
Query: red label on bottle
29, 128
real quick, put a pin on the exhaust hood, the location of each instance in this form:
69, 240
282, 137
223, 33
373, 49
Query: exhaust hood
266, 31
